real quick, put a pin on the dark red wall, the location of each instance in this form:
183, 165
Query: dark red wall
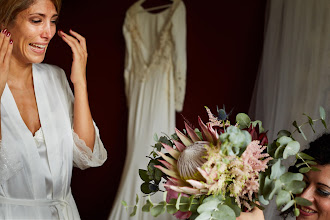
224, 42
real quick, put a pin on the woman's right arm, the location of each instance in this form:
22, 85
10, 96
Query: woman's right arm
6, 48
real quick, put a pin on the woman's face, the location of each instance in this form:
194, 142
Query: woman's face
318, 192
32, 31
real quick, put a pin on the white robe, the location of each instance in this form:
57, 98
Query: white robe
23, 185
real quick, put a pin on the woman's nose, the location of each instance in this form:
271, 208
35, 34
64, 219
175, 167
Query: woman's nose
47, 32
308, 193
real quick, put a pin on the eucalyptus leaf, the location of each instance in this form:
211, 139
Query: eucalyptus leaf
310, 122
322, 113
268, 187
205, 216
311, 162
224, 212
302, 201
136, 199
171, 207
177, 205
279, 152
259, 123
243, 120
158, 209
124, 203
302, 133
263, 200
209, 206
147, 207
282, 198
295, 125
145, 188
284, 133
232, 204
277, 170
304, 170
315, 169
304, 156
277, 187
284, 140
295, 186
288, 177
193, 204
134, 211
296, 212
271, 149
262, 176
144, 175
288, 205
184, 204
324, 124
291, 149
155, 137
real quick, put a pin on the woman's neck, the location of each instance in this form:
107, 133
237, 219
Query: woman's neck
20, 75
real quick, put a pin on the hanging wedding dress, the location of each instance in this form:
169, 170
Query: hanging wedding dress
155, 74
295, 71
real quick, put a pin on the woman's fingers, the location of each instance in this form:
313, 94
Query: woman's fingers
9, 52
76, 47
4, 43
80, 38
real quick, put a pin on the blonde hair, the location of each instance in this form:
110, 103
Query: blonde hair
9, 9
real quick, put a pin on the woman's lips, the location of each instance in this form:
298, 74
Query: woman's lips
38, 48
306, 211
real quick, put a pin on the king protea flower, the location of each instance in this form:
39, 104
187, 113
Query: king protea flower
188, 156
198, 167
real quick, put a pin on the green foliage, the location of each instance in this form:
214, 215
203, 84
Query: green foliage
243, 120
215, 208
234, 140
276, 181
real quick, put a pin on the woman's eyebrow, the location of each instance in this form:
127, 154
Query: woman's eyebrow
322, 184
43, 15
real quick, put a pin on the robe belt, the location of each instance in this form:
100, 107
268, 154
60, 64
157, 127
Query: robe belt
60, 204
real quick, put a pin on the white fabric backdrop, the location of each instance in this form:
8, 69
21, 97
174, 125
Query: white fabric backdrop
294, 75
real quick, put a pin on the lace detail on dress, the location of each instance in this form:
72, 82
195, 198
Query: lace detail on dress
39, 137
162, 51
9, 163
83, 157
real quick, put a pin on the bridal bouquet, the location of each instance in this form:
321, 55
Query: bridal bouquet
222, 169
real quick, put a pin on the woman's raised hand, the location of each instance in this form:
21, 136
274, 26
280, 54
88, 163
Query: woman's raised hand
79, 51
6, 48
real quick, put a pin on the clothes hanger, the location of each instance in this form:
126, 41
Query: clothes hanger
158, 7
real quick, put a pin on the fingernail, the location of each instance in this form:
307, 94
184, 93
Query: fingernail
8, 34
11, 41
4, 31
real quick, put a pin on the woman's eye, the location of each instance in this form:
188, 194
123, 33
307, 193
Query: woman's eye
36, 21
54, 22
323, 192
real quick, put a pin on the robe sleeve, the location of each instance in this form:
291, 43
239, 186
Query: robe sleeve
83, 157
179, 33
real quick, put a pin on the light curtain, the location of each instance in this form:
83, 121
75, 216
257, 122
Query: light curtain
294, 76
